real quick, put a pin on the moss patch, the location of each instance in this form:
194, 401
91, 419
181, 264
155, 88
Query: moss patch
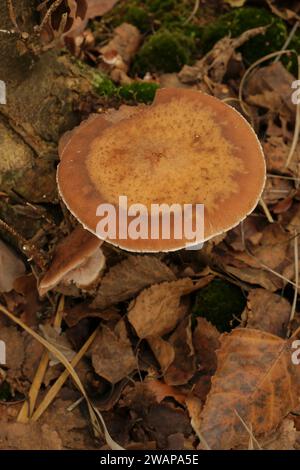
136, 92
164, 52
220, 302
150, 15
139, 92
242, 19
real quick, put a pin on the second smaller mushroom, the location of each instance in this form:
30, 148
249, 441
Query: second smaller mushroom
78, 261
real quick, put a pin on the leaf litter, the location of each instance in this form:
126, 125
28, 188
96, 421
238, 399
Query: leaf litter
154, 372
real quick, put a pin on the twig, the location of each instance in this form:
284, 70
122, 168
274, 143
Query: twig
29, 405
50, 396
195, 9
293, 178
248, 430
266, 211
29, 250
95, 415
49, 12
288, 40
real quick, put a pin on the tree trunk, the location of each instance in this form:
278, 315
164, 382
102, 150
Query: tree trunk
43, 96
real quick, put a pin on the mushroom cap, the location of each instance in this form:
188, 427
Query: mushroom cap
71, 253
185, 148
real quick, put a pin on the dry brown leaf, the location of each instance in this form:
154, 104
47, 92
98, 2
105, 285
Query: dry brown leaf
33, 436
157, 310
256, 380
11, 267
75, 314
276, 189
276, 151
112, 354
274, 79
284, 438
183, 367
129, 277
194, 407
162, 391
31, 305
162, 350
213, 66
99, 7
206, 341
268, 312
271, 252
58, 429
290, 13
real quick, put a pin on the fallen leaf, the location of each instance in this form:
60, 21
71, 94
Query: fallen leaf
157, 310
11, 267
272, 88
112, 354
286, 13
162, 390
33, 436
215, 63
162, 350
284, 438
183, 367
75, 314
129, 277
268, 312
256, 380
206, 341
163, 419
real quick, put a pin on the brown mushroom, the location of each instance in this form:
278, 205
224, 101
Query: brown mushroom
78, 260
186, 148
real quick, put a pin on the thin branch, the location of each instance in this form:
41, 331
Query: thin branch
195, 9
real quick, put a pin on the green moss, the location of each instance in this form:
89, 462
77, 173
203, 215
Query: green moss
242, 19
220, 302
139, 17
164, 52
139, 92
151, 15
104, 86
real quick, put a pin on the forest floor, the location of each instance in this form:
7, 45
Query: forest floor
184, 350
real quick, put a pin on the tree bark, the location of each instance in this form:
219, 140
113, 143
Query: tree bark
44, 92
